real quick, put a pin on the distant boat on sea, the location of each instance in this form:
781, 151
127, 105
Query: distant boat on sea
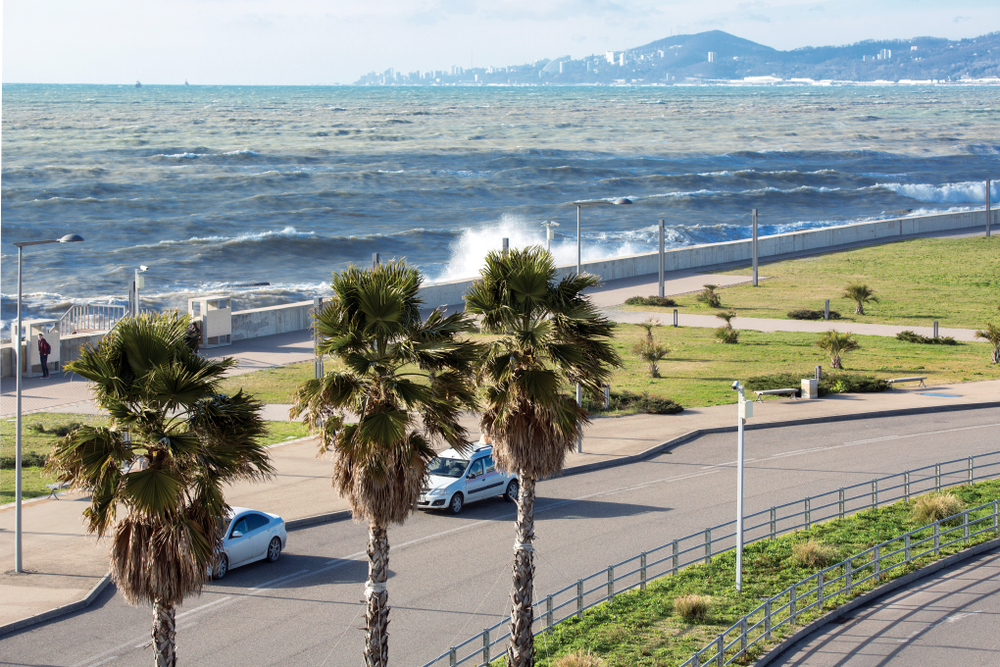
138, 84
186, 82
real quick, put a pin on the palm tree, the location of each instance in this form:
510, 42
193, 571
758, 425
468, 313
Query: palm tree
992, 336
156, 472
837, 345
405, 380
549, 336
648, 350
860, 294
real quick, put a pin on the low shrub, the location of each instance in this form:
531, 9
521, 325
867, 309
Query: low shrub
710, 297
60, 431
806, 314
727, 335
836, 383
579, 659
692, 608
28, 460
912, 337
814, 554
627, 400
935, 507
661, 301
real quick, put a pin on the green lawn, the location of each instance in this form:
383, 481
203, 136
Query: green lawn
39, 432
954, 281
642, 628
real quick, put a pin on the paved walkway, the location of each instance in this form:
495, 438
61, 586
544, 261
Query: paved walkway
63, 563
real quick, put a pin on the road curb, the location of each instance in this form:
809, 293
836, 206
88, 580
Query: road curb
58, 611
697, 433
874, 595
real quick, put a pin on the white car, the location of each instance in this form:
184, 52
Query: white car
457, 479
250, 536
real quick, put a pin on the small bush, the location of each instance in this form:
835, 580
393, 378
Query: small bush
727, 335
692, 608
814, 554
60, 431
579, 659
709, 297
28, 460
628, 400
935, 507
912, 337
806, 314
661, 301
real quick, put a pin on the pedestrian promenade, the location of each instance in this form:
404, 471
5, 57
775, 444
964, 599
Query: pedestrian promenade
63, 564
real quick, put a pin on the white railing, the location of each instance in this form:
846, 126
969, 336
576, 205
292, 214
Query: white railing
89, 318
866, 569
671, 557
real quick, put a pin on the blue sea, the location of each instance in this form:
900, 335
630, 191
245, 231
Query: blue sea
213, 187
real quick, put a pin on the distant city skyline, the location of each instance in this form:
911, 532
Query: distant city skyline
253, 42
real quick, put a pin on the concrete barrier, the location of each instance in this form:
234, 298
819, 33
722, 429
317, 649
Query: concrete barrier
285, 318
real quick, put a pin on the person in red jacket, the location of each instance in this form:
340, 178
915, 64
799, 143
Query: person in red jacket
44, 349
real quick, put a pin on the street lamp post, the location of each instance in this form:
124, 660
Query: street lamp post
744, 413
18, 362
549, 233
136, 286
579, 269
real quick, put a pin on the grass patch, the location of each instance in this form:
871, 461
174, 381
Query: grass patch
648, 628
698, 371
954, 281
39, 432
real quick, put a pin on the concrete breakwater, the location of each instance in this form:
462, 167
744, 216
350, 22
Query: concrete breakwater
285, 318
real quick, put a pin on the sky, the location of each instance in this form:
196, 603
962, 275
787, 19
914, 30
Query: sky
306, 42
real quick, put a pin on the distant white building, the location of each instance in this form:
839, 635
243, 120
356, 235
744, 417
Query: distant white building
610, 57
621, 59
711, 56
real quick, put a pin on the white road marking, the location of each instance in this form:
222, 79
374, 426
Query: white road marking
204, 606
954, 618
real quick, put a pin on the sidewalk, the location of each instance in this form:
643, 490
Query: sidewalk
63, 564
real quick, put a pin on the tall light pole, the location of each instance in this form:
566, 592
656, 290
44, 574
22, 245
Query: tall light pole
136, 286
744, 413
579, 269
549, 233
18, 361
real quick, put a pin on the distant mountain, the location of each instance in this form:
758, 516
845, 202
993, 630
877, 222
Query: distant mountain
719, 56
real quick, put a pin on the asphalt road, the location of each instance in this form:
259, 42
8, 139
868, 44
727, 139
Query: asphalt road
450, 575
947, 619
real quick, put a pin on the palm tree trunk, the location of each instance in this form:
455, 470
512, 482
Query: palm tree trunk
164, 634
520, 652
835, 361
859, 309
377, 616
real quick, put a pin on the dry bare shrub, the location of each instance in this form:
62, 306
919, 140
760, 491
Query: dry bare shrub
935, 507
579, 659
692, 608
813, 554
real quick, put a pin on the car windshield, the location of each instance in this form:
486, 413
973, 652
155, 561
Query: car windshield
447, 467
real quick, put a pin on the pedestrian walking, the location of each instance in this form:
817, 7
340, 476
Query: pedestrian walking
44, 349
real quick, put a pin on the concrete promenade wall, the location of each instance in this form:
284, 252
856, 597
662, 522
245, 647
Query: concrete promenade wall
711, 254
286, 318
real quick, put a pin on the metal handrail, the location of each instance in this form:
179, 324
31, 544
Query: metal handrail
700, 547
90, 317
877, 563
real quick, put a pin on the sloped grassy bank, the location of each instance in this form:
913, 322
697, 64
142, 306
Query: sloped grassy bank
646, 628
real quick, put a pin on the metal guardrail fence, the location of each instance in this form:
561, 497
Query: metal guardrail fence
871, 565
699, 547
90, 317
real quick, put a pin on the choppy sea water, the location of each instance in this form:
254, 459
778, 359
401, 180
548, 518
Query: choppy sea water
215, 186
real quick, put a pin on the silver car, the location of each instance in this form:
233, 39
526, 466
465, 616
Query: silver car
250, 536
457, 479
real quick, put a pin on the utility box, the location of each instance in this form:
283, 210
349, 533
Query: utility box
215, 313
31, 364
810, 388
746, 409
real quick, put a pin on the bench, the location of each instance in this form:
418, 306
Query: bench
54, 489
790, 391
915, 378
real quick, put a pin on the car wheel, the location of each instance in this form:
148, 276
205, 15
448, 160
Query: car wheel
456, 504
513, 488
221, 568
274, 550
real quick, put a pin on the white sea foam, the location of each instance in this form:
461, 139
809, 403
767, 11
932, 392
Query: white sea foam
948, 193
